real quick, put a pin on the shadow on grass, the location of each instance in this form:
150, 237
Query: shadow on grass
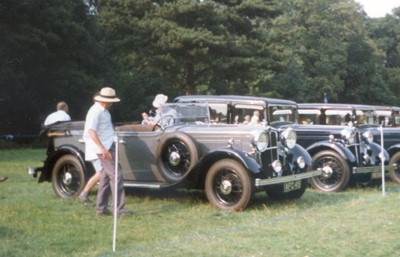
311, 198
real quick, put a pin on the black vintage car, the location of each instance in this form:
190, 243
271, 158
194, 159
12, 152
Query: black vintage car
229, 162
366, 118
343, 153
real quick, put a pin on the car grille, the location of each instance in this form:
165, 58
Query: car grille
271, 154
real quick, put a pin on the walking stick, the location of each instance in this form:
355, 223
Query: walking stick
382, 162
115, 192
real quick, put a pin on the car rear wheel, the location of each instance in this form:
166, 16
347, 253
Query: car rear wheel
395, 174
335, 172
228, 186
177, 155
68, 177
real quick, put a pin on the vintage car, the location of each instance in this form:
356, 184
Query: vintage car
342, 152
229, 162
366, 118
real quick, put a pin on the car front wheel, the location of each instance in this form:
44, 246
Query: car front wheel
228, 186
68, 177
335, 172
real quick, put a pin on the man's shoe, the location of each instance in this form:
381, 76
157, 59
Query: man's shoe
2, 178
106, 212
124, 213
85, 200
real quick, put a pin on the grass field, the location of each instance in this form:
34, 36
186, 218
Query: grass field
34, 222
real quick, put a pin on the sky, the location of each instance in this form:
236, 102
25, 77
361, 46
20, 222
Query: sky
378, 8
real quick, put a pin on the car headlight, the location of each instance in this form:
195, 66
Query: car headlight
301, 162
368, 137
289, 138
260, 140
277, 166
348, 134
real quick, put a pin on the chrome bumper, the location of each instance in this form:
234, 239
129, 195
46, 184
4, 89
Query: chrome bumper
374, 169
279, 180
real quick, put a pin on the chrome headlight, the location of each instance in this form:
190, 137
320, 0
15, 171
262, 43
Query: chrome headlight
301, 162
277, 166
289, 138
368, 137
348, 134
260, 140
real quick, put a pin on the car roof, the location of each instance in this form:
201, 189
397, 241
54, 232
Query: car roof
234, 98
324, 106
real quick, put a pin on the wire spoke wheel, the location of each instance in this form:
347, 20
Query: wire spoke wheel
228, 186
395, 174
335, 172
177, 155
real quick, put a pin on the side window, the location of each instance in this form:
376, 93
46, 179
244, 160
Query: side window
309, 116
248, 114
218, 113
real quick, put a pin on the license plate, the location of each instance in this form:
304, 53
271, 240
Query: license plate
376, 175
292, 185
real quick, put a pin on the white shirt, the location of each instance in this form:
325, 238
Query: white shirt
98, 119
54, 117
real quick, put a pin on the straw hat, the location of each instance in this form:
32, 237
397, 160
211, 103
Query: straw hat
107, 95
159, 100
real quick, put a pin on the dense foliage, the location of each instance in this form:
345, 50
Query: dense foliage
294, 49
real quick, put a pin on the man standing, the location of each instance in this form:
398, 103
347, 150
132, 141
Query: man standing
99, 149
60, 115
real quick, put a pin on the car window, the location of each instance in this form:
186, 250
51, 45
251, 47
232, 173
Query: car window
282, 113
248, 114
395, 119
309, 116
218, 113
338, 117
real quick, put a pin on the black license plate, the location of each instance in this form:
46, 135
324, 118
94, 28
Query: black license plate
292, 185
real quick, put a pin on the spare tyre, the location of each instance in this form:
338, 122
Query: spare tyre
177, 154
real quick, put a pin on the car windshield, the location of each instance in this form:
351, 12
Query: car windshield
185, 113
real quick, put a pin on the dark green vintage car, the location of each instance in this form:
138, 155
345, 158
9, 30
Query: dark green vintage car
187, 149
344, 153
368, 119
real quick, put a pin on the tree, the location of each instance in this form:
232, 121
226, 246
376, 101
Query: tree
48, 53
385, 32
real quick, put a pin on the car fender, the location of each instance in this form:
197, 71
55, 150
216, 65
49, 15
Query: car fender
376, 150
393, 149
232, 153
327, 145
54, 156
298, 151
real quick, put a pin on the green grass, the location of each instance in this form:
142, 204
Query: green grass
34, 222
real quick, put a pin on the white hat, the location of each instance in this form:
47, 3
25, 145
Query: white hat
159, 100
107, 94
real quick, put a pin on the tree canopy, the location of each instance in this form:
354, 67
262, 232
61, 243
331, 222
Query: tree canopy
293, 49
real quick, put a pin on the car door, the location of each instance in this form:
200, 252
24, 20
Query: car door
137, 158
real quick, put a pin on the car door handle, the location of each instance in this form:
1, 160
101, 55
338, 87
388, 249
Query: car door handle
121, 141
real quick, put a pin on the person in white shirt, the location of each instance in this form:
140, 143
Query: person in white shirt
255, 119
60, 115
100, 148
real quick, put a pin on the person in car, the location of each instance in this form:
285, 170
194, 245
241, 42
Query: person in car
60, 115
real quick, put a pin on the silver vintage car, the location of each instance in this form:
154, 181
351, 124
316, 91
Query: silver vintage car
186, 149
